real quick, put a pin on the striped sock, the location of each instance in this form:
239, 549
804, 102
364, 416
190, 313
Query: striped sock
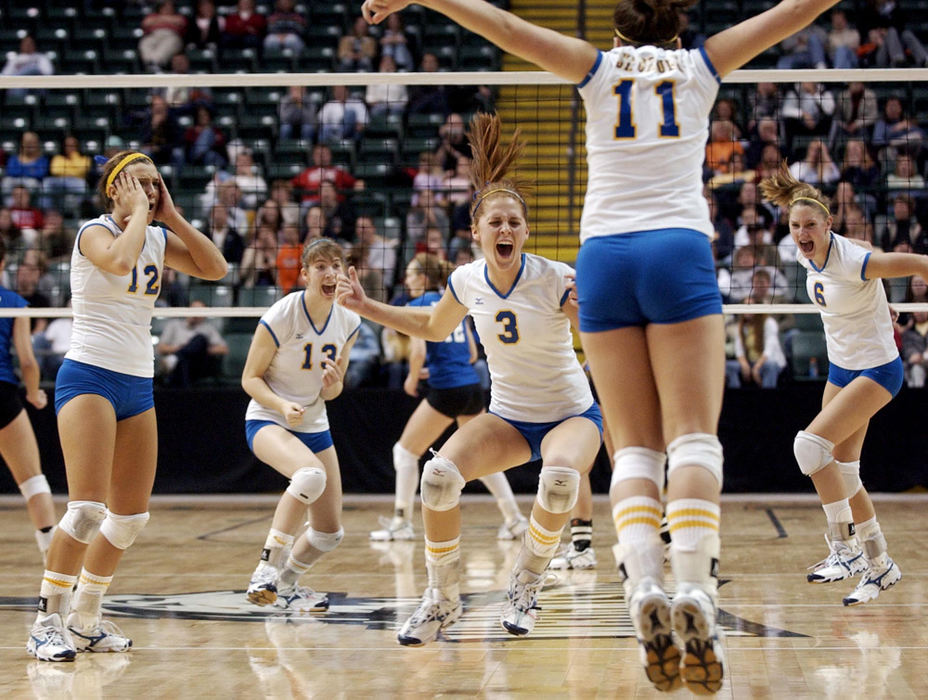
695, 544
55, 593
291, 573
581, 533
637, 524
275, 545
443, 559
538, 548
88, 599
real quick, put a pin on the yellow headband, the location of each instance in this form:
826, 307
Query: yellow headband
638, 43
810, 199
121, 165
495, 190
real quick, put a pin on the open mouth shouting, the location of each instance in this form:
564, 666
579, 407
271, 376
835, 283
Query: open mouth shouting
807, 247
505, 249
328, 290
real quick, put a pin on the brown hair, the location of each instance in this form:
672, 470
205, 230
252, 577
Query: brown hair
649, 22
108, 168
435, 269
784, 190
492, 161
324, 248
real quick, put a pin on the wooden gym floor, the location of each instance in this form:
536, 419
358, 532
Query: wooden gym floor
179, 595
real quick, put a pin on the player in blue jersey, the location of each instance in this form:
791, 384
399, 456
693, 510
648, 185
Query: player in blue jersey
104, 398
646, 287
844, 279
296, 363
18, 445
540, 401
454, 395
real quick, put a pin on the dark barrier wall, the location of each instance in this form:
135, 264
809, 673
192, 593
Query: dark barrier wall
202, 444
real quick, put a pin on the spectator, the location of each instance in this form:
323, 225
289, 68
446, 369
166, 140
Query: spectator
915, 350
428, 99
396, 43
817, 167
770, 158
807, 110
31, 275
289, 261
205, 144
364, 356
28, 218
370, 277
259, 261
858, 167
28, 166
164, 32
845, 198
190, 349
454, 141
184, 100
285, 28
383, 97
51, 344
748, 210
381, 252
68, 175
855, 115
902, 229
249, 179
55, 242
13, 242
905, 176
725, 109
843, 41
854, 224
28, 61
342, 117
313, 224
268, 214
204, 31
339, 216
224, 235
308, 182
297, 114
804, 49
244, 28
456, 186
895, 130
429, 176
916, 292
425, 213
722, 144
357, 50
434, 243
884, 25
759, 357
161, 135
737, 283
282, 193
764, 102
767, 132
723, 240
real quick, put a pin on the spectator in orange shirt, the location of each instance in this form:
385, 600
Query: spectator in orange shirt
289, 259
722, 144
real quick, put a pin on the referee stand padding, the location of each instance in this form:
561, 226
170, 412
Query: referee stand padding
202, 444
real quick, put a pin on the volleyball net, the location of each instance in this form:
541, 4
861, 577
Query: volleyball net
240, 154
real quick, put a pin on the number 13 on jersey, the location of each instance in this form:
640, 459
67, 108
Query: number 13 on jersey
625, 127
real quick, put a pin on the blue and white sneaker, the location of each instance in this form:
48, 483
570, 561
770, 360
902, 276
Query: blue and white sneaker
49, 640
435, 613
883, 573
262, 589
845, 559
300, 599
521, 609
104, 636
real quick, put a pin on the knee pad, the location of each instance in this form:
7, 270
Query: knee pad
441, 484
638, 463
307, 484
813, 453
403, 459
850, 472
121, 530
33, 486
325, 541
558, 488
82, 519
696, 450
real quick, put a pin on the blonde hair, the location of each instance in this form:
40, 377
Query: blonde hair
435, 269
492, 161
784, 190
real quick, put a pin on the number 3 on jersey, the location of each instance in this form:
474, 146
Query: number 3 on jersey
510, 332
625, 126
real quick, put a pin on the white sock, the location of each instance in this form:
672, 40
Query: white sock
88, 599
55, 593
498, 485
275, 545
406, 465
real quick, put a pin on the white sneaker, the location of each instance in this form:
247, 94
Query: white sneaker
262, 589
694, 620
844, 560
104, 636
513, 529
572, 558
434, 614
393, 529
49, 640
301, 599
649, 609
521, 610
882, 574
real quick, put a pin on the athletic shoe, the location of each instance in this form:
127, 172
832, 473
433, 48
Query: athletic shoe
694, 621
844, 560
104, 636
513, 529
262, 589
649, 608
49, 640
520, 611
301, 599
572, 558
882, 574
393, 529
434, 614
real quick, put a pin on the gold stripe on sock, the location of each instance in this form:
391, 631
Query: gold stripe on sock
541, 538
56, 582
692, 513
679, 525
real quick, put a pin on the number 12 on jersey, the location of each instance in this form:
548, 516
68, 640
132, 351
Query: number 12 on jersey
625, 126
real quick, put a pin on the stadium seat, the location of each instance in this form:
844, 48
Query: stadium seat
808, 345
262, 295
234, 362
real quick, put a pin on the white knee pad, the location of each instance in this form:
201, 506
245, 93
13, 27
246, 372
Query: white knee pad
82, 519
325, 541
558, 488
696, 450
121, 530
850, 472
638, 463
307, 484
441, 485
813, 453
33, 486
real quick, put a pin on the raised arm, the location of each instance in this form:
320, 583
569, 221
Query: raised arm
733, 47
886, 265
568, 57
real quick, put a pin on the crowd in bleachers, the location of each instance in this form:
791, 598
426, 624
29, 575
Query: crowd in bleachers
385, 169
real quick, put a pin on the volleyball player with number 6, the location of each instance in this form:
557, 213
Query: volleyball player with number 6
647, 289
844, 279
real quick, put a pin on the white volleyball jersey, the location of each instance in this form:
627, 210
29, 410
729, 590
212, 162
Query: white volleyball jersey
295, 373
855, 313
534, 371
112, 313
647, 123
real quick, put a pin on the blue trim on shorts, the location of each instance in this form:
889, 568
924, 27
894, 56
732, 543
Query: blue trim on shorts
889, 376
534, 433
643, 277
129, 395
316, 442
